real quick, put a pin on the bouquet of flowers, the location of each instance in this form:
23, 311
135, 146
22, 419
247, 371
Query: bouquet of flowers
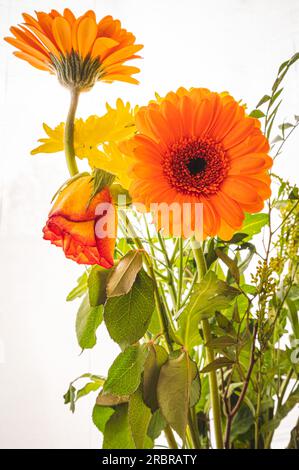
166, 223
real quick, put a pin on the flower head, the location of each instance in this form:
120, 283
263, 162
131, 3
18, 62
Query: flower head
97, 139
79, 50
197, 146
73, 223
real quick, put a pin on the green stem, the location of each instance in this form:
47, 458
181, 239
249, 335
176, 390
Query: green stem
69, 133
180, 278
215, 402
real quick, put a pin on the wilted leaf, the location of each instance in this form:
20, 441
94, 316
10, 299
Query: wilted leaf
127, 317
174, 390
87, 321
108, 399
125, 373
123, 275
157, 356
218, 363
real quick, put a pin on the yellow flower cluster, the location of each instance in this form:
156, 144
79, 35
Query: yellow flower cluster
97, 139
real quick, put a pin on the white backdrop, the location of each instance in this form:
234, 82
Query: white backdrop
233, 45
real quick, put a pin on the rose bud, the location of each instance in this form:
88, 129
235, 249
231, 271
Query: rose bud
83, 226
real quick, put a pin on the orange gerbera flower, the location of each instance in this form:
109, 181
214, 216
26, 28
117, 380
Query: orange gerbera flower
74, 223
79, 50
197, 146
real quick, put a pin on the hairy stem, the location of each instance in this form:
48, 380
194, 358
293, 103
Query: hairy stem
69, 133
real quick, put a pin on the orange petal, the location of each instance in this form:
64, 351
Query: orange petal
86, 35
62, 34
251, 163
46, 41
102, 45
122, 55
228, 209
43, 57
69, 16
239, 190
32, 60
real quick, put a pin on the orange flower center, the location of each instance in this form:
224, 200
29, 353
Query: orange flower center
195, 166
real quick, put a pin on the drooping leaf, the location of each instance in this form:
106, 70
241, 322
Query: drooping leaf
242, 422
209, 295
125, 373
230, 263
257, 113
174, 387
70, 397
218, 363
157, 356
127, 317
80, 288
87, 321
100, 416
97, 282
139, 418
221, 342
123, 275
117, 433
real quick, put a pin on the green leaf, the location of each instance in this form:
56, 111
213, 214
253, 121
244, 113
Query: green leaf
127, 317
209, 295
242, 422
256, 113
101, 179
97, 282
263, 100
221, 342
80, 288
157, 356
156, 425
253, 224
89, 387
123, 275
100, 416
230, 263
125, 373
139, 417
69, 397
174, 389
218, 363
117, 433
87, 321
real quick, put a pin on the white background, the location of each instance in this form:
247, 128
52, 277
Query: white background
233, 45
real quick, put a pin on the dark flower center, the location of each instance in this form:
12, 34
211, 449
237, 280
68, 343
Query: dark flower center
195, 166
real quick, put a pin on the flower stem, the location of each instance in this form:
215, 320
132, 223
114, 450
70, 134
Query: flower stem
202, 268
69, 133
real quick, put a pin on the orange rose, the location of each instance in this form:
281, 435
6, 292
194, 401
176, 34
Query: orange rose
85, 231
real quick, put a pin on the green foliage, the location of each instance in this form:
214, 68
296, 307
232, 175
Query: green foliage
87, 322
174, 385
139, 419
97, 282
125, 373
117, 430
80, 288
209, 295
127, 317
